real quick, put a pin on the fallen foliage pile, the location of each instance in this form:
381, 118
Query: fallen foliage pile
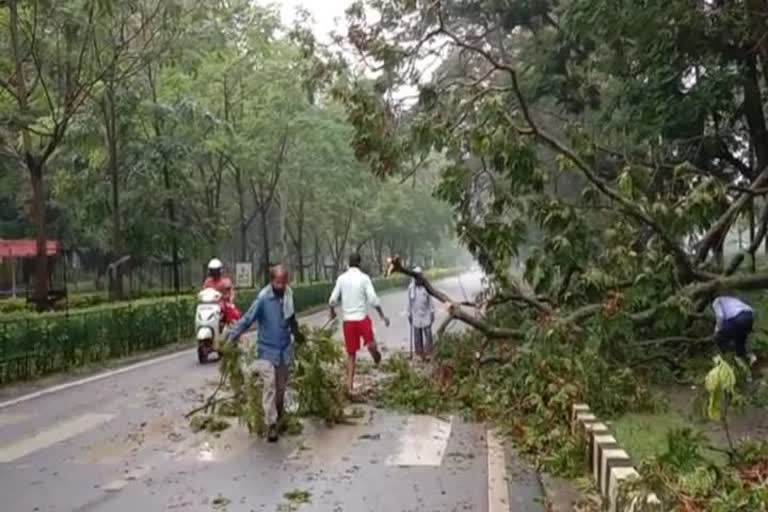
526, 392
316, 379
685, 478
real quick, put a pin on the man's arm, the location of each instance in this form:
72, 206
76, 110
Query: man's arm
334, 300
718, 314
410, 303
373, 300
431, 309
247, 320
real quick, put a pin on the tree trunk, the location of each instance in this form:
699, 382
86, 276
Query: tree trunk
118, 247
34, 165
752, 233
265, 256
171, 209
719, 254
316, 258
41, 284
300, 239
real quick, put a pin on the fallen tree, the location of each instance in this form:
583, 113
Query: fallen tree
616, 222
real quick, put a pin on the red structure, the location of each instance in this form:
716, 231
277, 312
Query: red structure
25, 248
12, 250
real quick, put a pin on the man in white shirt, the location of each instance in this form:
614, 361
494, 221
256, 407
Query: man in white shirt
355, 291
733, 324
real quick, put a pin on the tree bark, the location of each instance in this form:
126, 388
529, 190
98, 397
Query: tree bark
265, 256
41, 282
171, 209
111, 134
35, 167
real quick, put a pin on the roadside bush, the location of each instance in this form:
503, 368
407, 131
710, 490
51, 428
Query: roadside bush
40, 344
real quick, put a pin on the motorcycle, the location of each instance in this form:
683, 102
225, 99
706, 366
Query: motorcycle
211, 322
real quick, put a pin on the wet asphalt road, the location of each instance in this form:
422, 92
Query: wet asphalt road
121, 444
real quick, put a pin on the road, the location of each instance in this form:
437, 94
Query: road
119, 443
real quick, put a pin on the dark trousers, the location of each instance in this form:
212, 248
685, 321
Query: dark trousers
422, 339
734, 332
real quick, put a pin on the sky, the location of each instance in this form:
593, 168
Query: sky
324, 13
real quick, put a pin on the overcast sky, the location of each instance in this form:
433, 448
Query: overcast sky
324, 13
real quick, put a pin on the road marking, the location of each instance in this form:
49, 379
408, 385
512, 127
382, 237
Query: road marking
53, 435
422, 442
11, 419
94, 378
498, 491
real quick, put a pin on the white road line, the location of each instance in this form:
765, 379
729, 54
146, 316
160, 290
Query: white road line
94, 378
498, 490
53, 435
423, 442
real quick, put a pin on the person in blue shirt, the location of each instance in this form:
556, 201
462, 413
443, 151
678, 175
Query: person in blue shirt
733, 324
274, 314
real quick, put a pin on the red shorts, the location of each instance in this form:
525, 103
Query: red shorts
356, 330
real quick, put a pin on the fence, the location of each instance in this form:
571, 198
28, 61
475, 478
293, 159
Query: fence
34, 345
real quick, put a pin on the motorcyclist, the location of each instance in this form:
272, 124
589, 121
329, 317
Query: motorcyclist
222, 284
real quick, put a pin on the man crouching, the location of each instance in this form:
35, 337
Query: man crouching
275, 316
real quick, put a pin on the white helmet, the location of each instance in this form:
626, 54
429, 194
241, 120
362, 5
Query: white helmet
215, 264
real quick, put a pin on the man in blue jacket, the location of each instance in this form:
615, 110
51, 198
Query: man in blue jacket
273, 312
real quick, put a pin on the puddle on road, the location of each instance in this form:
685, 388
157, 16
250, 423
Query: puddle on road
109, 451
225, 445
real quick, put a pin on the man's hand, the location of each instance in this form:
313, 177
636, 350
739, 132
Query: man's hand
410, 319
333, 314
300, 338
386, 320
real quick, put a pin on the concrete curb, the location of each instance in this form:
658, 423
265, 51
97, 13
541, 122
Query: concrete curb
609, 464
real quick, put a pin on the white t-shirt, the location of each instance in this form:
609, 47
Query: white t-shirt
355, 290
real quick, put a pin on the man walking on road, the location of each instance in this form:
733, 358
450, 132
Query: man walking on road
355, 291
275, 316
421, 316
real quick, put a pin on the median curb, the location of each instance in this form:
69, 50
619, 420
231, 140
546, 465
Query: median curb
610, 466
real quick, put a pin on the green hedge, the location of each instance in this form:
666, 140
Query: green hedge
86, 300
37, 344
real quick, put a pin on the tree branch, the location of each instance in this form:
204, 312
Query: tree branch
454, 309
629, 208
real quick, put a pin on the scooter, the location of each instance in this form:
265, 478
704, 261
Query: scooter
209, 324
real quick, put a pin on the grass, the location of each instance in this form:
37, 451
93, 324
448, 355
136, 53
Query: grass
644, 436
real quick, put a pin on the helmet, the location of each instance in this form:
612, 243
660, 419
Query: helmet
417, 269
215, 264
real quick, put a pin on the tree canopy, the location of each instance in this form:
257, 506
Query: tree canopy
611, 147
212, 119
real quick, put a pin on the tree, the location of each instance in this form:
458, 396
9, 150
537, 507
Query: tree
53, 68
654, 107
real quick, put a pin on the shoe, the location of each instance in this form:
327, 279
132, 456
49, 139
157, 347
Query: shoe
376, 355
272, 435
